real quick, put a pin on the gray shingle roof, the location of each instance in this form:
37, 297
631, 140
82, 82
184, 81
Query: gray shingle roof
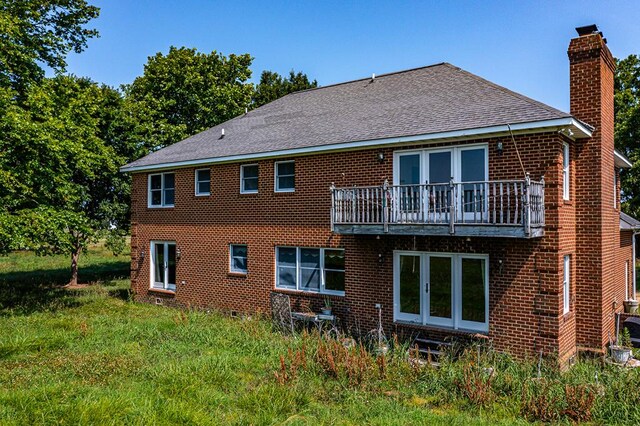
629, 222
432, 99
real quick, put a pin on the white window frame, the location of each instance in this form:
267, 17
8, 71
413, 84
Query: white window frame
566, 171
322, 289
231, 257
566, 284
456, 307
252, 191
202, 194
162, 191
152, 275
615, 188
276, 187
456, 159
627, 289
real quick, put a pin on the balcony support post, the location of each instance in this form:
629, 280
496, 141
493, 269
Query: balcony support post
452, 207
527, 204
332, 188
385, 209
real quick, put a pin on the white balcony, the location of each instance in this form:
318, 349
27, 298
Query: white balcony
501, 208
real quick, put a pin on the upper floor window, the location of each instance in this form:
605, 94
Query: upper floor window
565, 171
249, 179
161, 190
310, 269
203, 182
285, 176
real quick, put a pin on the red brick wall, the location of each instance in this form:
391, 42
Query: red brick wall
525, 289
597, 221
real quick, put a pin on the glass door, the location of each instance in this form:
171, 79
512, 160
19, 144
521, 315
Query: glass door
408, 194
439, 174
474, 293
163, 265
473, 194
408, 293
440, 290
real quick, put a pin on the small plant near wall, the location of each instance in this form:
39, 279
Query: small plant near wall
326, 308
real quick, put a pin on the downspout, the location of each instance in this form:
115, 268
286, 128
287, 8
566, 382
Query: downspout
633, 262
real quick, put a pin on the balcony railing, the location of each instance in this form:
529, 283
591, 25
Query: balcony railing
491, 208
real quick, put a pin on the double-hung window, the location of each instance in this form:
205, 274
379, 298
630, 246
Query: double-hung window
161, 190
566, 284
315, 270
285, 176
565, 171
238, 258
249, 179
203, 182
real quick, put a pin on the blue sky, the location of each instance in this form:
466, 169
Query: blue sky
518, 44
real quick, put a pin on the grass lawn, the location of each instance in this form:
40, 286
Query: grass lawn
91, 356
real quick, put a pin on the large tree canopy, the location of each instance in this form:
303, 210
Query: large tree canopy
65, 186
627, 128
35, 32
186, 92
273, 86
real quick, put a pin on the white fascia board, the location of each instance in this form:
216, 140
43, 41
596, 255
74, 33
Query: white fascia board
578, 129
621, 161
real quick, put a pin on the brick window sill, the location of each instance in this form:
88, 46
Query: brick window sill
162, 291
237, 274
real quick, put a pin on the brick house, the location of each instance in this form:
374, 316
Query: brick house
454, 205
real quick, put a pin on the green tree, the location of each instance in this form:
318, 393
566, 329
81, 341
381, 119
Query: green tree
65, 187
273, 86
627, 128
185, 92
35, 32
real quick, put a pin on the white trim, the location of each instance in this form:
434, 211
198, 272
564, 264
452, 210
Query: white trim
626, 280
162, 205
456, 276
620, 161
529, 127
152, 275
275, 176
195, 174
231, 256
566, 284
242, 190
322, 289
566, 171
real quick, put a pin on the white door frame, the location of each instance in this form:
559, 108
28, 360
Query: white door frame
456, 309
164, 283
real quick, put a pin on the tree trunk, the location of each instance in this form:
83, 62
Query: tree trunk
75, 254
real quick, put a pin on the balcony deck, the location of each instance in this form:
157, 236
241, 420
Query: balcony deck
513, 208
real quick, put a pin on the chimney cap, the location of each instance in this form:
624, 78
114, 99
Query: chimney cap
588, 29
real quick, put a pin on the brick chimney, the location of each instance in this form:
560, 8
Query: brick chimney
597, 223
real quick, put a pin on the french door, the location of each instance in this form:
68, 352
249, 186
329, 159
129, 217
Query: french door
467, 165
163, 265
443, 290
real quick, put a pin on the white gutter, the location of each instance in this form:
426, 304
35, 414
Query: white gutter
578, 129
621, 161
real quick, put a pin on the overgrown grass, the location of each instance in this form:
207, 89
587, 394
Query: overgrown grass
90, 358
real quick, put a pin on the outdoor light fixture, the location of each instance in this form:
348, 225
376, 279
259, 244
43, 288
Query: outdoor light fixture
142, 254
178, 253
380, 258
381, 157
499, 147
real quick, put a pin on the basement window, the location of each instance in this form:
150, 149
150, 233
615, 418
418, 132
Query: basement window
238, 258
161, 190
315, 270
